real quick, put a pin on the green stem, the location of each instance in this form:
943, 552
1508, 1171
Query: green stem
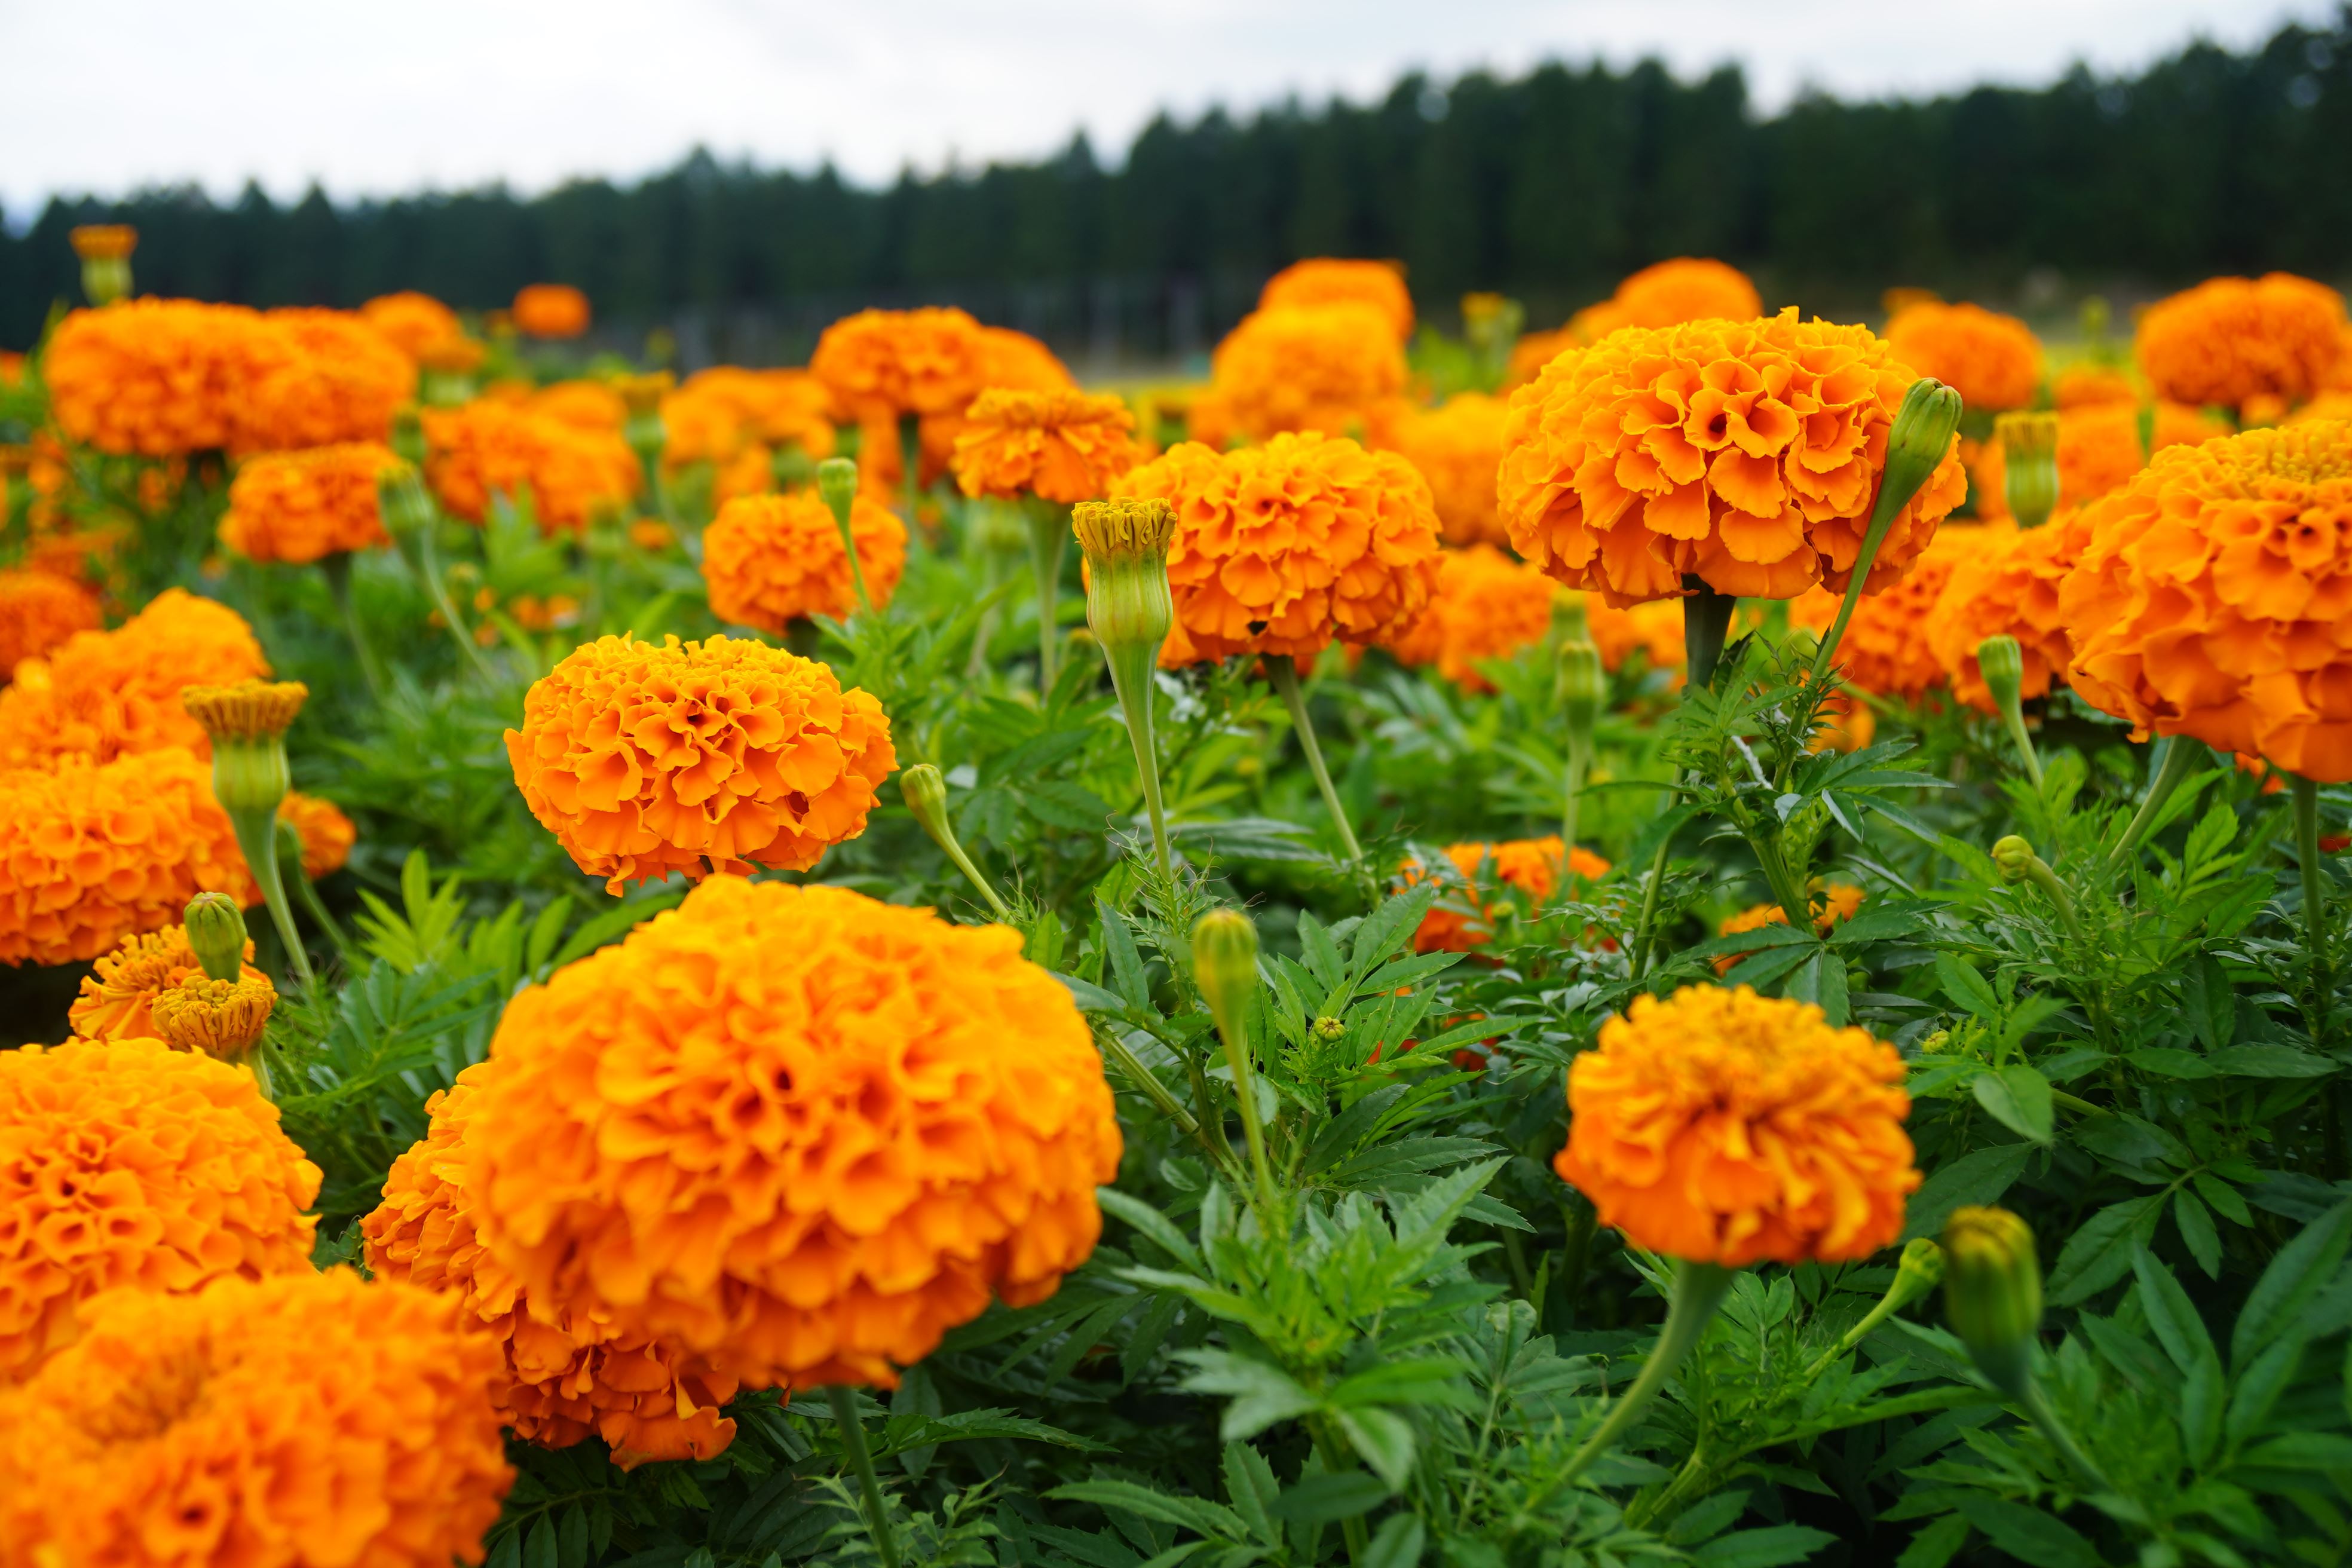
1049, 533
910, 460
1337, 1461
428, 571
1237, 1061
307, 890
1582, 1223
2305, 794
2059, 1439
963, 863
1706, 622
1283, 671
1638, 964
2038, 873
1130, 678
337, 566
990, 572
1891, 501
1580, 767
256, 835
1699, 1289
861, 1461
2180, 754
2013, 718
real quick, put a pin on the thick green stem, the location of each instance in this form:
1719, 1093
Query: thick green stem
1706, 622
2013, 718
337, 565
2039, 874
1639, 960
1579, 768
1698, 1290
256, 835
2180, 754
1130, 678
1237, 1061
861, 1463
290, 844
1283, 671
1049, 533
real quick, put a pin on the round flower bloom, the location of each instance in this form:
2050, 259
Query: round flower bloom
646, 759
327, 835
582, 404
2087, 386
1281, 548
1458, 448
1832, 904
125, 1162
219, 1018
418, 325
794, 1130
303, 1421
720, 413
1325, 368
38, 610
882, 365
1496, 874
2098, 449
2230, 340
105, 694
1060, 446
1327, 280
343, 382
771, 559
1747, 453
2213, 598
117, 996
549, 310
295, 507
1685, 288
1993, 360
1727, 1127
1654, 627
161, 378
1535, 350
484, 449
2009, 587
567, 1374
1009, 360
1487, 605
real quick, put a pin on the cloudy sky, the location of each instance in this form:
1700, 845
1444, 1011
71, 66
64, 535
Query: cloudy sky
373, 99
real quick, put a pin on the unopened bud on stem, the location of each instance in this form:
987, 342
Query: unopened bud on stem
247, 722
1130, 610
105, 250
1224, 967
216, 927
837, 486
1993, 1292
2003, 665
925, 790
2028, 452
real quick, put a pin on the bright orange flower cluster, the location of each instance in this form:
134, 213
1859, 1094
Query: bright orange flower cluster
1281, 548
327, 835
794, 1130
1886, 649
2231, 340
1746, 453
770, 560
644, 759
2098, 449
106, 694
487, 449
1830, 905
295, 507
568, 1374
118, 996
303, 1421
1727, 1127
1327, 280
1329, 367
2213, 598
882, 365
1993, 360
1457, 447
594, 405
343, 382
549, 310
39, 610
1669, 293
1495, 875
160, 377
130, 1164
1653, 627
2088, 385
1009, 360
424, 328
1063, 446
722, 413
1487, 605
2010, 587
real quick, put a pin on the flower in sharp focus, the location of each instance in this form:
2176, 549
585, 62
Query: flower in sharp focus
2007, 587
38, 610
2231, 340
343, 382
1722, 1127
644, 759
1527, 872
1993, 360
295, 507
794, 1130
1684, 289
772, 559
1457, 447
219, 1018
105, 694
118, 992
1831, 905
549, 310
1064, 446
1329, 280
1327, 367
883, 364
487, 449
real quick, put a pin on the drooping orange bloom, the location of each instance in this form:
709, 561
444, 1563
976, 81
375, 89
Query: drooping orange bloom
419, 326
1325, 368
721, 413
106, 694
1487, 606
1524, 872
1280, 549
161, 378
1746, 453
1993, 360
119, 995
130, 1163
303, 1421
770, 560
644, 759
1327, 280
487, 448
882, 365
2098, 449
1833, 904
2213, 598
794, 1130
1458, 448
1060, 446
327, 835
39, 610
1727, 1127
2087, 386
295, 507
1685, 289
1653, 627
567, 1374
2230, 340
2010, 587
549, 310
1535, 350
343, 382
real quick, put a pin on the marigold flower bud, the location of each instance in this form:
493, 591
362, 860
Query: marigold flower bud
836, 483
1992, 1291
105, 250
1921, 439
1224, 965
402, 499
1584, 684
2029, 446
1920, 1271
247, 725
2002, 664
2013, 857
926, 790
216, 936
222, 1018
1126, 544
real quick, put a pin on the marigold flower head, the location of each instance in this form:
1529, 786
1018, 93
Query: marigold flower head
484, 449
159, 378
246, 710
549, 310
1993, 360
772, 559
1281, 548
343, 382
1831, 905
1685, 288
1292, 368
303, 1421
1727, 1127
118, 993
2098, 449
1329, 280
1533, 352
418, 325
568, 1372
38, 610
1063, 446
1888, 650
2009, 587
2214, 597
1746, 453
1487, 605
103, 241
1458, 448
882, 365
1009, 360
1654, 627
720, 413
794, 1130
1495, 874
2230, 340
644, 759
327, 835
128, 1164
219, 1018
583, 405
295, 507
2088, 385
105, 694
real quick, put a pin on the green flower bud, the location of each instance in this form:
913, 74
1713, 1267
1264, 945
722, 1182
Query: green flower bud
2013, 857
2003, 665
105, 250
1993, 1292
1920, 441
926, 790
400, 497
2029, 449
1583, 686
216, 934
1126, 544
1328, 1028
1570, 622
837, 485
1920, 1271
247, 724
1225, 966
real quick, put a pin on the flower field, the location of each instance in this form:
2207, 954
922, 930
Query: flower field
1698, 935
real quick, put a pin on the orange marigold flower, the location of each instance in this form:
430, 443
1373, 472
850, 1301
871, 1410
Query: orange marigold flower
882, 365
1746, 453
1993, 360
1060, 446
1685, 288
1009, 360
1327, 280
1520, 866
568, 1374
723, 413
1832, 904
161, 377
327, 835
118, 993
1886, 650
1535, 350
103, 241
549, 310
1281, 548
1487, 606
1295, 368
781, 1127
343, 382
295, 507
2231, 340
130, 1163
2098, 449
303, 1421
771, 559
418, 325
105, 694
1653, 627
1458, 448
2009, 586
2087, 386
1727, 1127
2214, 597
487, 448
39, 610
582, 404
644, 759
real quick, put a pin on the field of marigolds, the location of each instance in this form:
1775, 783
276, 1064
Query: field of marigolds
1710, 936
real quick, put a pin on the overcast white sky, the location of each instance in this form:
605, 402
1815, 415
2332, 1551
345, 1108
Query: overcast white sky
399, 95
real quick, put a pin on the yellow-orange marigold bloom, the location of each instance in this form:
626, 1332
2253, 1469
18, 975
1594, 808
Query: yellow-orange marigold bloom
1495, 874
881, 364
224, 1019
1886, 649
484, 449
303, 1421
343, 382
1329, 280
2327, 406
161, 377
103, 241
297, 507
1487, 605
39, 610
1993, 360
1009, 360
1458, 448
771, 559
2008, 588
2088, 385
2230, 340
583, 405
1328, 367
568, 1374
1063, 446
105, 694
549, 310
644, 759
327, 835
125, 1162
1281, 548
418, 325
2214, 597
1685, 289
1727, 1127
118, 993
720, 413
2098, 449
795, 1130
1746, 453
